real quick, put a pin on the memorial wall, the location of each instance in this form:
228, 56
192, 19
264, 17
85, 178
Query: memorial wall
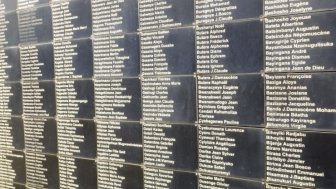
168, 94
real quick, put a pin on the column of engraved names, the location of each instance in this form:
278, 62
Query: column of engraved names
45, 172
35, 90
12, 137
168, 145
278, 7
296, 43
157, 51
166, 53
3, 27
39, 108
106, 17
153, 58
9, 25
216, 11
77, 172
71, 19
35, 24
37, 94
157, 145
215, 150
10, 88
69, 64
223, 80
116, 71
222, 76
291, 103
273, 7
160, 14
222, 151
211, 46
288, 104
118, 105
76, 137
12, 168
10, 91
9, 72
121, 99
114, 17
217, 182
117, 93
6, 171
119, 132
216, 96
38, 91
156, 104
168, 92
28, 22
75, 93
26, 4
159, 178
117, 175
284, 162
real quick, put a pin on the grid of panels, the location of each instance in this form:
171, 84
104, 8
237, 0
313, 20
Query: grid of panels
167, 94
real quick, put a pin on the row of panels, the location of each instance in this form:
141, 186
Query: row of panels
82, 173
66, 20
292, 44
298, 101
206, 11
303, 159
